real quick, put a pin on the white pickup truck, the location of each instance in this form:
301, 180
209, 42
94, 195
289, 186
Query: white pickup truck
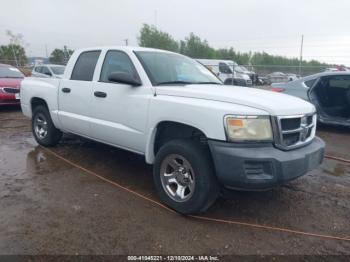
201, 136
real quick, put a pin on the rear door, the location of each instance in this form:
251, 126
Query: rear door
75, 94
120, 116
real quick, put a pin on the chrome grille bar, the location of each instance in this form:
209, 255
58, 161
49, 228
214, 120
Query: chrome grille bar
288, 139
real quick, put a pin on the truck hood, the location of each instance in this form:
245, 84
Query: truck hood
271, 102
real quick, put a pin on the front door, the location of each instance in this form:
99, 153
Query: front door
119, 111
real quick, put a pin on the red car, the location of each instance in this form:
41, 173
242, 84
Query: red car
10, 80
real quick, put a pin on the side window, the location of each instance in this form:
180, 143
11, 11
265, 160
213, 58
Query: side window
85, 66
339, 82
310, 83
117, 61
224, 68
45, 70
38, 69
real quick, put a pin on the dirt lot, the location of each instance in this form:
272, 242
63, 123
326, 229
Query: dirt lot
48, 206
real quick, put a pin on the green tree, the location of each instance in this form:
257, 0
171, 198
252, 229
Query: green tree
195, 47
13, 54
60, 56
152, 37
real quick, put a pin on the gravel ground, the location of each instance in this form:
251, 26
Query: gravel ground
48, 206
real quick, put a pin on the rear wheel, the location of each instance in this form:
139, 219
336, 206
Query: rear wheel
184, 177
44, 131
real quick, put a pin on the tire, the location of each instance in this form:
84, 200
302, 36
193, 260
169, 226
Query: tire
201, 186
44, 131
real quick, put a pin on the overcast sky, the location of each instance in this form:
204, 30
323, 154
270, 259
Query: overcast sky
274, 26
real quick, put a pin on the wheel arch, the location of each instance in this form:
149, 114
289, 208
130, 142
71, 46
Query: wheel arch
36, 101
168, 130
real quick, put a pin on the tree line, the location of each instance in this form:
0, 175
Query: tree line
14, 53
192, 46
195, 47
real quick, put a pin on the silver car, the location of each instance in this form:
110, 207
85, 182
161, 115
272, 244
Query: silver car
48, 70
328, 91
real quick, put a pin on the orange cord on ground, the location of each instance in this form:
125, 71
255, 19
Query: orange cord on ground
232, 222
337, 158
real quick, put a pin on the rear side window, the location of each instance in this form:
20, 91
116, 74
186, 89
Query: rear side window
339, 82
45, 71
310, 83
38, 69
117, 61
85, 66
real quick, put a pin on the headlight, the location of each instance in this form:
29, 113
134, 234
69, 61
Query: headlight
248, 128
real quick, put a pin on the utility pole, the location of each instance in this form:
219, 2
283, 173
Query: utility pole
126, 41
301, 53
46, 51
65, 55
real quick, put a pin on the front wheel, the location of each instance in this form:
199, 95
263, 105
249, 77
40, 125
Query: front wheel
184, 176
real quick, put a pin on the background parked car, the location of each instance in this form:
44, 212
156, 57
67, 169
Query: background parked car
292, 77
55, 71
10, 80
226, 71
328, 91
253, 76
277, 77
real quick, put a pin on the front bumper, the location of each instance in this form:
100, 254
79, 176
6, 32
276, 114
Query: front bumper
8, 99
238, 82
258, 167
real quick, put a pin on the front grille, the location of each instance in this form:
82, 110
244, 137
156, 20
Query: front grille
291, 139
290, 123
11, 90
294, 131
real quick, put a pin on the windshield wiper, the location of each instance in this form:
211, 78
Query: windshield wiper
174, 83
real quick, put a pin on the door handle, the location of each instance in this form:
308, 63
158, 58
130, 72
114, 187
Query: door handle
100, 94
66, 90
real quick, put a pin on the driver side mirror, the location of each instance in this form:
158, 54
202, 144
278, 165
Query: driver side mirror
124, 78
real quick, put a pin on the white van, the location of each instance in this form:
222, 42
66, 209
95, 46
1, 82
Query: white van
227, 71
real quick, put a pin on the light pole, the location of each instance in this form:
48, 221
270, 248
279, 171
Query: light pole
301, 53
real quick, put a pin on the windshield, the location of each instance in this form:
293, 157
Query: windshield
167, 68
240, 69
57, 70
10, 72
